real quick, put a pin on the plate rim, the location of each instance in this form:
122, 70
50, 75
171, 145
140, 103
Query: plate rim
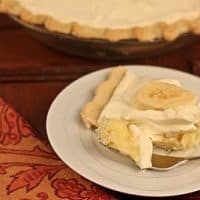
61, 93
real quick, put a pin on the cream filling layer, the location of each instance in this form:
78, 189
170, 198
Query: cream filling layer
145, 147
115, 13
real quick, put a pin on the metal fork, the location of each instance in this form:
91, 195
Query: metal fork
163, 163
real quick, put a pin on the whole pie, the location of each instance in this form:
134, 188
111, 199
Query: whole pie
114, 20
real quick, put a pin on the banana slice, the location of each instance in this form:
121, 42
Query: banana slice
161, 95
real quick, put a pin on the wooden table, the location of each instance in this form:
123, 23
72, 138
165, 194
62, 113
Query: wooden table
31, 75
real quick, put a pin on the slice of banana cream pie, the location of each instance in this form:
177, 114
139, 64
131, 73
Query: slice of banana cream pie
133, 114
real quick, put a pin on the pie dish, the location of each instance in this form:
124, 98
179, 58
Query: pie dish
103, 49
144, 20
135, 114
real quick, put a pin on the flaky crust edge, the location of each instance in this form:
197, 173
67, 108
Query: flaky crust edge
102, 94
159, 30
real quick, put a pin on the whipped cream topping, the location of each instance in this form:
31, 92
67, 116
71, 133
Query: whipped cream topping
114, 13
117, 109
121, 106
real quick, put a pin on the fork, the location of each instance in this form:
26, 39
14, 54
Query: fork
164, 163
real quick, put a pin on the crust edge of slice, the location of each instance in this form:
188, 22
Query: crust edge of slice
102, 94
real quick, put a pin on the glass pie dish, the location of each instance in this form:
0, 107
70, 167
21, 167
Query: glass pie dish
103, 49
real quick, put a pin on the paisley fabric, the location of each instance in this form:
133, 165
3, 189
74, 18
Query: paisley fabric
30, 170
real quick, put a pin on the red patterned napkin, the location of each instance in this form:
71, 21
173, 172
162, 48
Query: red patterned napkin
30, 170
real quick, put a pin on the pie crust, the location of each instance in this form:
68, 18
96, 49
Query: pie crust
152, 32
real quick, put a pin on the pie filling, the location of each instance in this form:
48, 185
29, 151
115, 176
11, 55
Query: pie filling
114, 13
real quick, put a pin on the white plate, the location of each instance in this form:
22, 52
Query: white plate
76, 146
